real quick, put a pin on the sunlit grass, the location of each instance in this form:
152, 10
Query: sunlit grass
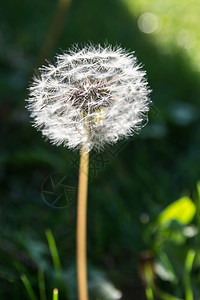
171, 24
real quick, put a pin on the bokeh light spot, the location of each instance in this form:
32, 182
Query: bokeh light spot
148, 23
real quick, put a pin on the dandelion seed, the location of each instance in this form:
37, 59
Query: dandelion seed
90, 97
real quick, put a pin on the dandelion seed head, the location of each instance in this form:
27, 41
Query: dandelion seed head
90, 97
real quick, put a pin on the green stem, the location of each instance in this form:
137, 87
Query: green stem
55, 294
188, 268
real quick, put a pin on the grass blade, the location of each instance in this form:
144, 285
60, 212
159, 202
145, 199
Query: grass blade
54, 252
28, 287
41, 283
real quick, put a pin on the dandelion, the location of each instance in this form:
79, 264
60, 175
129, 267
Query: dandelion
89, 98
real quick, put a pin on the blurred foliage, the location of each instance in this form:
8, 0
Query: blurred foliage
174, 239
133, 185
173, 25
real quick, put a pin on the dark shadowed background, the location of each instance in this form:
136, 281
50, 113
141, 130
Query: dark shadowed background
131, 184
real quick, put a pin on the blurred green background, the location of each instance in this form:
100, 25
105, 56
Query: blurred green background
135, 223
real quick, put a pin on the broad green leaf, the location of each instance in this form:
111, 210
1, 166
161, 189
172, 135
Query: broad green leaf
182, 211
165, 269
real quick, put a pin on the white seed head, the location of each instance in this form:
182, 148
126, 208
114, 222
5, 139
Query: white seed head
90, 97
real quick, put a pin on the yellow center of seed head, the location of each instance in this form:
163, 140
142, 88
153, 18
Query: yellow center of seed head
98, 117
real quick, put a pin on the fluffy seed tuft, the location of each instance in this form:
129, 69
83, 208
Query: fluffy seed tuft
90, 97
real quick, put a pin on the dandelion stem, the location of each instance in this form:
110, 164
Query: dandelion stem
54, 32
81, 226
